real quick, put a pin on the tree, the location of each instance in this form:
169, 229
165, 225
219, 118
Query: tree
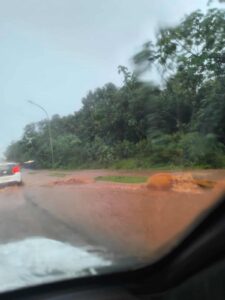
180, 122
195, 46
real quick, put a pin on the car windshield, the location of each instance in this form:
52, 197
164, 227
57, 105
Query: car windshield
112, 140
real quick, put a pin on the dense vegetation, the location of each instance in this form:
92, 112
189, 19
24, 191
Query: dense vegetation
180, 122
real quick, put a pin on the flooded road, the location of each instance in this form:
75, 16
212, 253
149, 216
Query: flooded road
114, 220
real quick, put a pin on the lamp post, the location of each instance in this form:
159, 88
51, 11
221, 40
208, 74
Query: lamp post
49, 129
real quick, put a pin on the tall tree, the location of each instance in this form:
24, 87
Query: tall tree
194, 46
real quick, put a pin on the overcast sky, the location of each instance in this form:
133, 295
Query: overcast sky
54, 51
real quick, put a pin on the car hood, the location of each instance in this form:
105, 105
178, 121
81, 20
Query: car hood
39, 260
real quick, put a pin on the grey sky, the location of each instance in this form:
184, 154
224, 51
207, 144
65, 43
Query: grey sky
54, 51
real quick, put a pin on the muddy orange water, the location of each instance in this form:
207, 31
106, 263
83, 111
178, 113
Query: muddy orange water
131, 219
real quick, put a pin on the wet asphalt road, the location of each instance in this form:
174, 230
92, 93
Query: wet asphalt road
113, 220
25, 213
21, 217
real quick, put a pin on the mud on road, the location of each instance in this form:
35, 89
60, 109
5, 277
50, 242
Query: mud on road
115, 219
122, 219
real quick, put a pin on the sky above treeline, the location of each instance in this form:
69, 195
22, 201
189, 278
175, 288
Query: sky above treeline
55, 51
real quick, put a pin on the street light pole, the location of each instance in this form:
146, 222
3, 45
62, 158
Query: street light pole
49, 129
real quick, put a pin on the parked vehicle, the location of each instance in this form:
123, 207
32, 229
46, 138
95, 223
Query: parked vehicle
10, 173
30, 164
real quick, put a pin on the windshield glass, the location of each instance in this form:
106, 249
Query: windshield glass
112, 113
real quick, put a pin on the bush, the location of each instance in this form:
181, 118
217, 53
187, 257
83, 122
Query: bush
204, 150
99, 151
165, 149
124, 150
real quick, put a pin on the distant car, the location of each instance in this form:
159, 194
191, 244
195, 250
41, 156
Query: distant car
30, 164
10, 173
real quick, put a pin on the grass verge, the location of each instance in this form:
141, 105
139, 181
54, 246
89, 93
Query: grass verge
58, 174
123, 179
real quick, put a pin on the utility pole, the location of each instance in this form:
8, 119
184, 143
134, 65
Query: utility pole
49, 129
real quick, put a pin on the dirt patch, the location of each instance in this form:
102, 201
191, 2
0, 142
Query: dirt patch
185, 183
206, 184
178, 182
181, 182
161, 181
71, 181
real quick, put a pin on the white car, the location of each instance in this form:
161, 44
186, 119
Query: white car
10, 172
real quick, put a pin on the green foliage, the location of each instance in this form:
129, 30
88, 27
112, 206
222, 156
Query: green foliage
198, 149
123, 179
141, 124
127, 164
58, 174
195, 46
